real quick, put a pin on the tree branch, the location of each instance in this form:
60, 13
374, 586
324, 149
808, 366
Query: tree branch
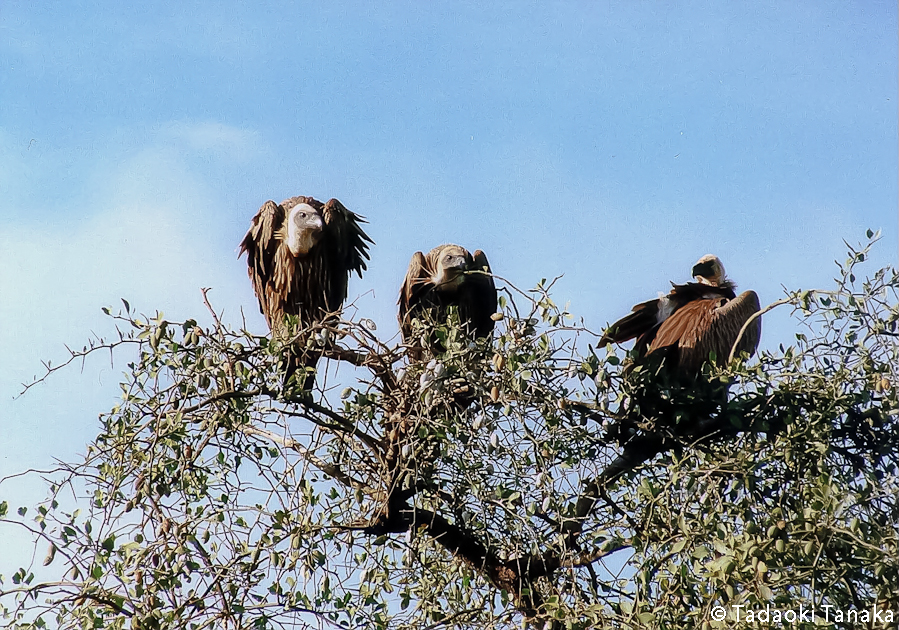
754, 317
329, 469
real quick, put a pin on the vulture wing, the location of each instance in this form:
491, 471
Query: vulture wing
481, 296
647, 317
730, 319
342, 250
643, 318
708, 325
261, 247
345, 238
414, 288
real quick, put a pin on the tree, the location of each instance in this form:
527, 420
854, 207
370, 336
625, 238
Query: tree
525, 480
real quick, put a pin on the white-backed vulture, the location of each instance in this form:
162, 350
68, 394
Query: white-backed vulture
692, 321
447, 276
300, 254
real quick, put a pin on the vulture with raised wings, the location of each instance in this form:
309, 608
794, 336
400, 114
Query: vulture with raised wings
300, 255
447, 276
692, 321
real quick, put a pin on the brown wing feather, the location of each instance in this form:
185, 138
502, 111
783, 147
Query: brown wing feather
349, 241
730, 319
414, 285
704, 326
681, 333
480, 296
261, 244
642, 319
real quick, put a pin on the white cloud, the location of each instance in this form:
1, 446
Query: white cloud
148, 232
226, 140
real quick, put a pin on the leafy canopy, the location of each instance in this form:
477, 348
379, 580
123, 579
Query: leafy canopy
523, 480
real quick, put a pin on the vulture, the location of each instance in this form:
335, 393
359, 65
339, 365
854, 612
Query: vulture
447, 276
692, 321
300, 255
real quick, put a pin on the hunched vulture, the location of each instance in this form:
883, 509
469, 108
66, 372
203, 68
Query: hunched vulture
300, 254
447, 276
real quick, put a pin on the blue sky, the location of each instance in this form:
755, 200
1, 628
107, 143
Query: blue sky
614, 143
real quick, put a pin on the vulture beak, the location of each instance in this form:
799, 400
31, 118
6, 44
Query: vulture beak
704, 269
316, 225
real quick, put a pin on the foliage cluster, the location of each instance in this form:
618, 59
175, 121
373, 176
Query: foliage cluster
527, 479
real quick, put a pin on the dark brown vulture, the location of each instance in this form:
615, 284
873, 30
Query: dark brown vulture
300, 254
692, 321
447, 276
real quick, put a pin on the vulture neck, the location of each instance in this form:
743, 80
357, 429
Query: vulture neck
444, 281
722, 283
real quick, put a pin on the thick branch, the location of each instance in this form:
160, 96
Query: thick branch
503, 575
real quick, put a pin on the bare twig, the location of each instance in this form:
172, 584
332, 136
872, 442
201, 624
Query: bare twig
754, 317
329, 469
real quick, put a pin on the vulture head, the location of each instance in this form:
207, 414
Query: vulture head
450, 266
303, 226
300, 255
709, 270
447, 276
